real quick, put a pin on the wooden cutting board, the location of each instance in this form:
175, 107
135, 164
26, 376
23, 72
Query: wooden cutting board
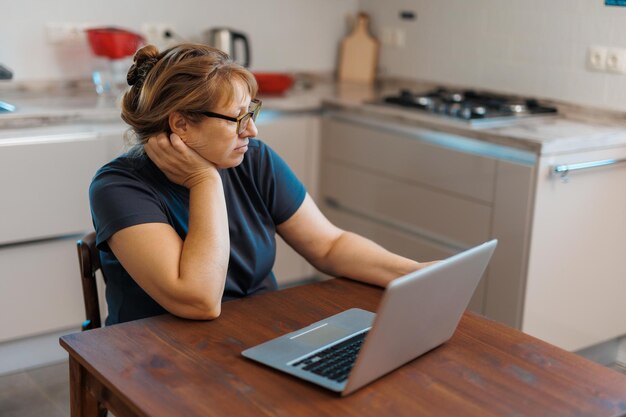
358, 55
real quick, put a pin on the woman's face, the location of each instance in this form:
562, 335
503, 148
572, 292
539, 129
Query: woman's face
216, 139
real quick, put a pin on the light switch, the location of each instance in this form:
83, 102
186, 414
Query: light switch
399, 37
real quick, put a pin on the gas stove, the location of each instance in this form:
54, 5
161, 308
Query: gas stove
470, 105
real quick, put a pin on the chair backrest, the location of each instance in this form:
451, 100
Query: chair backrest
89, 263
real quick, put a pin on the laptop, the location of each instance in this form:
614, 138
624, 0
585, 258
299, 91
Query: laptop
417, 313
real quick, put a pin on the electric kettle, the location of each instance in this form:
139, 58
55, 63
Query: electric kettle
235, 44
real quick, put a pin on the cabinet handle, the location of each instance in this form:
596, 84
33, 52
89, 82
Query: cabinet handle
564, 170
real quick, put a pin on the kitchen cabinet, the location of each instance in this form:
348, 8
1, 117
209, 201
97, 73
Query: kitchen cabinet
295, 137
427, 195
45, 175
39, 290
577, 277
557, 272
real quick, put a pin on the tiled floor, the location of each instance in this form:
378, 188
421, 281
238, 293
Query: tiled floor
40, 392
44, 392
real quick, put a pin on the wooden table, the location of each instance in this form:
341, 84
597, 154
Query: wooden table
165, 366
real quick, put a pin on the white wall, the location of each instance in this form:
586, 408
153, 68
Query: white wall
286, 35
531, 47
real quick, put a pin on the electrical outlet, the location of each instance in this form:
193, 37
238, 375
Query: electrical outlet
393, 37
616, 60
66, 33
159, 34
596, 58
399, 38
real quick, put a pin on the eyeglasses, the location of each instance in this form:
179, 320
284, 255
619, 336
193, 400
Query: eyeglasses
243, 120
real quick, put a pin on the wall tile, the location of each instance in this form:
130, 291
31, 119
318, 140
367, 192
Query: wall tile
531, 47
617, 23
616, 95
285, 35
589, 88
597, 31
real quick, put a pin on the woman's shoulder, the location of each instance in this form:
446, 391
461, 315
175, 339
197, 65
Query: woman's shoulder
125, 162
128, 164
127, 170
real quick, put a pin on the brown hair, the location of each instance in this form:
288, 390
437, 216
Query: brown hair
187, 78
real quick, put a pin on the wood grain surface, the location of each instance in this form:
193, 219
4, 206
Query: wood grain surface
166, 366
358, 55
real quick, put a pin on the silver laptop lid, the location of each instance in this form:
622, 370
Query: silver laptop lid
419, 312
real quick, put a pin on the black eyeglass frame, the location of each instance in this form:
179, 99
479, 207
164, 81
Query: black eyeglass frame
250, 114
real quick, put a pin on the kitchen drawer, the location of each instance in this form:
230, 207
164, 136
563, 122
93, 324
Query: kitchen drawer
395, 240
379, 149
40, 288
45, 181
401, 242
455, 221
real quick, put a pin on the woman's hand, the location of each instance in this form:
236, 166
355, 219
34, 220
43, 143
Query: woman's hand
181, 164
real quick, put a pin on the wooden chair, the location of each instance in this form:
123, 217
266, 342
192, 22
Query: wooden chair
89, 262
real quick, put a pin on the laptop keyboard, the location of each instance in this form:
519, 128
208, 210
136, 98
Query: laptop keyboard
334, 362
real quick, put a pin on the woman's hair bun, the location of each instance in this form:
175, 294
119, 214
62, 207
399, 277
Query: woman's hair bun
144, 60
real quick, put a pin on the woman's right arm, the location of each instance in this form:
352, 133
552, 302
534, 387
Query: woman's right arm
185, 277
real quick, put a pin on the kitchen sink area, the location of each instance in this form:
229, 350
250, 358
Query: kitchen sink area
6, 107
5, 74
54, 107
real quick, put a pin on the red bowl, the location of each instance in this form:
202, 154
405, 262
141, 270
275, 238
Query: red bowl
273, 82
113, 43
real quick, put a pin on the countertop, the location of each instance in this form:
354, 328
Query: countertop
573, 130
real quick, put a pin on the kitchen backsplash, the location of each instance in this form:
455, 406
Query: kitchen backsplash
529, 47
285, 35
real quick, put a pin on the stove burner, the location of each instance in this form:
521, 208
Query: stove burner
469, 104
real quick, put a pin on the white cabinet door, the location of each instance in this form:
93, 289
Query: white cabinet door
296, 139
577, 274
45, 179
45, 176
40, 288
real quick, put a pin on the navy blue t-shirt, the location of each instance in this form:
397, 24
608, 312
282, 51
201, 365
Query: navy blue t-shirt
260, 193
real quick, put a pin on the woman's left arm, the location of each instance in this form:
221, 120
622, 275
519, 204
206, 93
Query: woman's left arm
340, 253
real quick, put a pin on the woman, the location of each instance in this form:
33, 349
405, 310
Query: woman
188, 217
